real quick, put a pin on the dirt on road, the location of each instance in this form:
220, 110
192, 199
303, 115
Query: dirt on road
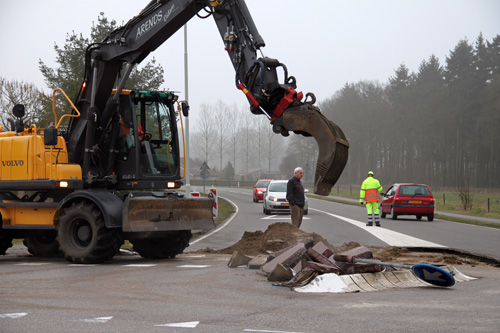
282, 234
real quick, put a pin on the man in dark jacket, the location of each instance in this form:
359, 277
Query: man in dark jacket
295, 197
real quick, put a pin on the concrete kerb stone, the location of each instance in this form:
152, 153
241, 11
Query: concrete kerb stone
281, 273
257, 262
238, 259
288, 258
286, 269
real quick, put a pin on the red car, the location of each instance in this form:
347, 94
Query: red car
258, 187
408, 199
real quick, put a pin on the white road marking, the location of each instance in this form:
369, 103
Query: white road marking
96, 320
13, 315
280, 217
32, 264
240, 193
392, 238
188, 324
266, 331
199, 256
82, 265
127, 251
140, 265
222, 226
194, 266
365, 305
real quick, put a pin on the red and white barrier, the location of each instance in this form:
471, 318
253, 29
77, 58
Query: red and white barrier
215, 209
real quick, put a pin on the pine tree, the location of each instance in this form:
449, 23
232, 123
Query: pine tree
71, 57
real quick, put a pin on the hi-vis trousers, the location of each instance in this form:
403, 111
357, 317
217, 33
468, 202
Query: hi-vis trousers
372, 208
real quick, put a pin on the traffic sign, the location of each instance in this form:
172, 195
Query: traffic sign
204, 174
204, 166
433, 275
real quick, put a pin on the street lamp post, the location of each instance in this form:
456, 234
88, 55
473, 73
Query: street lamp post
186, 93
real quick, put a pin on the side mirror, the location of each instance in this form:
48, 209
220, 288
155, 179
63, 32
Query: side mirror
50, 136
18, 111
306, 191
185, 108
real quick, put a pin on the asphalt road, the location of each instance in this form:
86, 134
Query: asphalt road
200, 293
340, 223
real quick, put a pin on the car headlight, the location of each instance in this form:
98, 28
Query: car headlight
259, 192
271, 198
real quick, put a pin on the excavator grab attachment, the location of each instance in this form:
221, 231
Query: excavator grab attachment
332, 143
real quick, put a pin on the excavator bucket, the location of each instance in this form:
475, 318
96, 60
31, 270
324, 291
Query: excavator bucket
150, 213
332, 143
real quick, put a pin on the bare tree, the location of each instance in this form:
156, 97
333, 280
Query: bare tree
301, 151
260, 124
233, 131
464, 193
206, 134
246, 134
221, 126
36, 102
271, 149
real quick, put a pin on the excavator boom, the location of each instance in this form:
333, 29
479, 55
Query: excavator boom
256, 77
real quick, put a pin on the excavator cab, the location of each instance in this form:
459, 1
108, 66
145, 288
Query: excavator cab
159, 146
147, 146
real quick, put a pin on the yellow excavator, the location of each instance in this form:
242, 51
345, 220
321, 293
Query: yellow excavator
112, 173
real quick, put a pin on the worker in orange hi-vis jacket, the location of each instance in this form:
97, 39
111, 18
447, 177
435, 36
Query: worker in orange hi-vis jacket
369, 195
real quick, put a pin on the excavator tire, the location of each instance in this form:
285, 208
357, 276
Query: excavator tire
83, 237
5, 241
42, 243
333, 146
165, 247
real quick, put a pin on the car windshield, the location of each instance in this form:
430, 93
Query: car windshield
263, 183
413, 190
277, 187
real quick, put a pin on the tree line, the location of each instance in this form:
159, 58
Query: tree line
438, 125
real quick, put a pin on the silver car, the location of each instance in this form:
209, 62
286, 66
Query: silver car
275, 198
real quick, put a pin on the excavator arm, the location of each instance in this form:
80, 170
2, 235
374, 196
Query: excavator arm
109, 64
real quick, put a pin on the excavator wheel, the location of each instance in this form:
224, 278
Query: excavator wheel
5, 241
83, 237
42, 243
168, 246
332, 143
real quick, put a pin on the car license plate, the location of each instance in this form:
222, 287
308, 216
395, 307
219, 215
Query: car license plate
284, 204
419, 202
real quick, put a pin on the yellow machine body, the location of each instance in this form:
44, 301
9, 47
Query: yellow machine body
27, 163
17, 216
25, 157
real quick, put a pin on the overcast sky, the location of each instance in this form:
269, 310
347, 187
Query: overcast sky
324, 43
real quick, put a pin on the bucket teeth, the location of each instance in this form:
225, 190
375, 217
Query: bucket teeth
332, 144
